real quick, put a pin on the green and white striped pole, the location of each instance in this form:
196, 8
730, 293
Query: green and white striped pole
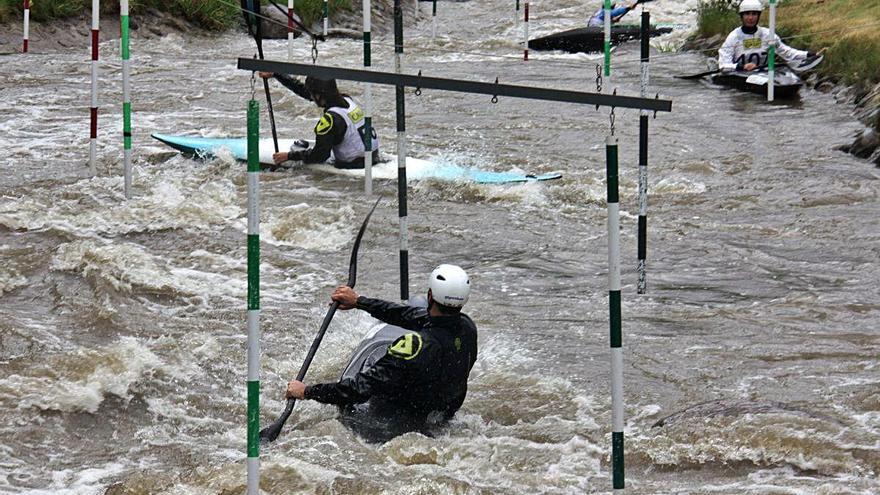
607, 38
253, 298
615, 312
771, 58
126, 97
326, 16
368, 101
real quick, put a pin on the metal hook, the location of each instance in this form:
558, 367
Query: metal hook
495, 97
418, 91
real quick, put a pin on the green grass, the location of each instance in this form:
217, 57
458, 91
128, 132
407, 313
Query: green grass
717, 17
210, 14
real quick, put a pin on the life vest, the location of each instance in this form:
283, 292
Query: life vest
352, 146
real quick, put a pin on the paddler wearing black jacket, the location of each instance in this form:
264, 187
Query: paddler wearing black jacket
421, 381
341, 128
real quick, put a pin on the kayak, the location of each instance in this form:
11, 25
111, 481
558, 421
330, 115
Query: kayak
416, 169
786, 83
591, 39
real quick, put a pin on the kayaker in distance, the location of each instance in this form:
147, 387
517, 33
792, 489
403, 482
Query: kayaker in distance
421, 381
598, 19
746, 48
340, 130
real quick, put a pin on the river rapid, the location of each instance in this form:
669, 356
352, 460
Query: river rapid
122, 322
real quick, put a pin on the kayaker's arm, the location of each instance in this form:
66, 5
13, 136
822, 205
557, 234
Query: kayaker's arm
290, 83
788, 53
726, 52
400, 315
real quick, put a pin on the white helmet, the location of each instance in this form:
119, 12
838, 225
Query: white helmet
750, 6
450, 286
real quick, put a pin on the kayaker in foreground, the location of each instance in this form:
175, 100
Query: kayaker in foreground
746, 48
421, 381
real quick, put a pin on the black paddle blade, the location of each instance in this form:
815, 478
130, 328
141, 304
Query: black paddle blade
698, 76
271, 432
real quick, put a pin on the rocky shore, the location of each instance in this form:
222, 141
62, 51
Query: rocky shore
866, 98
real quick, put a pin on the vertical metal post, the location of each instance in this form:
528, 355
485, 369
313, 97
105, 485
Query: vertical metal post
290, 30
607, 38
27, 26
401, 154
253, 298
126, 97
643, 155
326, 16
771, 58
611, 154
368, 101
433, 19
526, 32
93, 110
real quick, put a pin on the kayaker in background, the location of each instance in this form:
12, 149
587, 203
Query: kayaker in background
421, 381
598, 19
746, 48
340, 130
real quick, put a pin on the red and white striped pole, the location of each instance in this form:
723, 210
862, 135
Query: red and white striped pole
93, 132
526, 31
27, 21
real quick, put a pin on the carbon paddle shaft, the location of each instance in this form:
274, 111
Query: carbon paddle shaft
258, 38
271, 432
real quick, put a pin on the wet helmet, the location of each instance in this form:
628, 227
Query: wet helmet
450, 286
750, 6
317, 86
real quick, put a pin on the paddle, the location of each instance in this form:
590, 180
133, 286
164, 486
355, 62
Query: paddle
701, 74
271, 432
252, 8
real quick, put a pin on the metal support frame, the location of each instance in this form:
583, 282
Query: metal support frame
458, 85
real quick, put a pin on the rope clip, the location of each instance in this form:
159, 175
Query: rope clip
418, 91
495, 96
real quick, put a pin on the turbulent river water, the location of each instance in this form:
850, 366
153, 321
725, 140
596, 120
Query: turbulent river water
122, 322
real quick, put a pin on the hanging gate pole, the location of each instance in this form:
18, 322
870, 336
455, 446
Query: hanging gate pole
368, 104
607, 39
401, 154
611, 154
253, 298
771, 57
126, 97
93, 110
643, 157
27, 25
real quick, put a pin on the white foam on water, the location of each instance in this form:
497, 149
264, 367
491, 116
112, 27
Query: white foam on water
80, 380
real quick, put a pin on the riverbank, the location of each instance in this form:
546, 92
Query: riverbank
850, 30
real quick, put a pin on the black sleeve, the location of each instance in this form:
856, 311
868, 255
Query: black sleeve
401, 315
383, 378
294, 85
329, 132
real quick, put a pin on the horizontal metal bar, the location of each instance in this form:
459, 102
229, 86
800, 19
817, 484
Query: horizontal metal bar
424, 82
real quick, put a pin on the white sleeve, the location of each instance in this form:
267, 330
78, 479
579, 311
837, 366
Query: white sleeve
788, 53
726, 53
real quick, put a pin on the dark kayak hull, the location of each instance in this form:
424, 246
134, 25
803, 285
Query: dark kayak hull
590, 39
787, 84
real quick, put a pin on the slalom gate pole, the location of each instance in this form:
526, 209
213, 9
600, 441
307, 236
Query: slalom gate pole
611, 154
516, 13
253, 297
368, 104
326, 16
290, 30
401, 154
526, 32
607, 39
643, 155
93, 110
27, 26
126, 96
771, 57
433, 19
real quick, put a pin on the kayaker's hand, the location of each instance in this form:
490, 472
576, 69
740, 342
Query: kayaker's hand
750, 66
266, 75
345, 296
295, 390
279, 157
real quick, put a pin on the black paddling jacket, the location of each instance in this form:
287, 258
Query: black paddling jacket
424, 373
